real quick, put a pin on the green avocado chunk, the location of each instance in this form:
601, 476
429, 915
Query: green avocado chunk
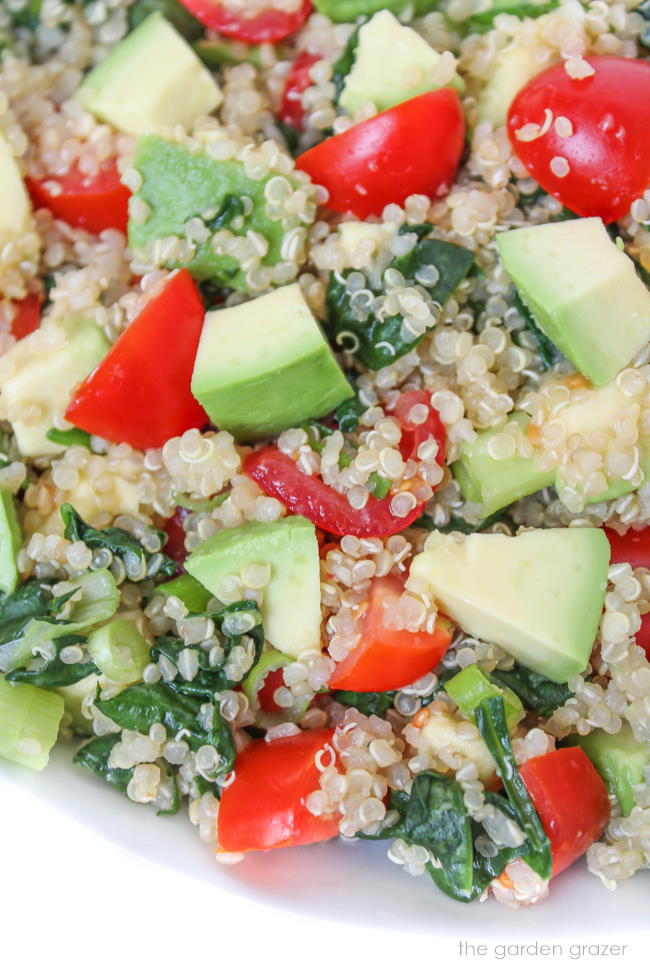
9, 541
179, 185
538, 595
264, 366
195, 596
582, 291
290, 608
619, 758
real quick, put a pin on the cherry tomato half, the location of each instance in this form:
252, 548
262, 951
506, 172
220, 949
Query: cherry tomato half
93, 203
268, 27
298, 80
594, 153
27, 315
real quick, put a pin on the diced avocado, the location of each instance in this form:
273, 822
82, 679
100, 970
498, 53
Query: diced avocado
74, 696
472, 685
150, 81
514, 66
9, 541
15, 209
189, 590
347, 11
178, 185
371, 236
619, 758
264, 365
291, 605
582, 291
392, 63
538, 595
494, 484
42, 371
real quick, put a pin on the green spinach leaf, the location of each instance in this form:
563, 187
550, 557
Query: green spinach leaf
94, 757
548, 352
459, 524
32, 600
173, 11
536, 693
343, 66
367, 703
56, 673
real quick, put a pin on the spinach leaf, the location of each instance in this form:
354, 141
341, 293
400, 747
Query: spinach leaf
459, 524
212, 677
483, 21
56, 673
121, 543
176, 793
290, 134
379, 486
374, 702
379, 342
231, 208
140, 706
94, 757
535, 692
30, 601
173, 11
343, 66
490, 717
436, 818
348, 413
69, 438
548, 352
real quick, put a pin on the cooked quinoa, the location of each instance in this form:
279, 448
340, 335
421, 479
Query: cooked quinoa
413, 312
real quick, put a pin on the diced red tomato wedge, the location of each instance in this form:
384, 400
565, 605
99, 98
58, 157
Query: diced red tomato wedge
632, 547
175, 545
93, 203
571, 801
415, 434
278, 476
414, 147
594, 153
298, 80
27, 315
140, 392
386, 659
642, 637
265, 694
268, 27
264, 808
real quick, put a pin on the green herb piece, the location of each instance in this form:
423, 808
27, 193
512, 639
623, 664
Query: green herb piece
194, 504
173, 11
343, 66
367, 703
472, 686
491, 721
348, 414
189, 590
379, 486
140, 706
94, 757
548, 352
537, 693
31, 600
69, 438
459, 524
213, 677
377, 342
56, 673
231, 208
121, 543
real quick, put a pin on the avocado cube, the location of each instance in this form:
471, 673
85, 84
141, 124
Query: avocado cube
392, 64
538, 595
150, 81
619, 758
290, 608
42, 371
9, 541
264, 365
583, 292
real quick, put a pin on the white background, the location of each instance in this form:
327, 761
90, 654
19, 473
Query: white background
72, 901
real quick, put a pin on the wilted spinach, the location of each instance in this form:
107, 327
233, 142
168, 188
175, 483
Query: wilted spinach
367, 703
548, 352
56, 673
343, 66
536, 693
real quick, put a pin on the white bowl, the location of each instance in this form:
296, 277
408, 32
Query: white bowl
339, 881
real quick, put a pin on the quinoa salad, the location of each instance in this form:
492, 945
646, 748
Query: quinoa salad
324, 397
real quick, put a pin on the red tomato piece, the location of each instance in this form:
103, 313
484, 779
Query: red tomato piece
632, 547
94, 203
386, 659
571, 801
278, 476
265, 28
414, 147
174, 547
264, 807
608, 148
298, 80
140, 392
265, 694
27, 315
414, 434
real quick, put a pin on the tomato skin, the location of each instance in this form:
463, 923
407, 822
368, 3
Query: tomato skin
264, 807
174, 547
265, 28
387, 659
140, 392
571, 801
298, 80
265, 694
609, 150
415, 434
92, 203
414, 147
278, 476
27, 315
632, 547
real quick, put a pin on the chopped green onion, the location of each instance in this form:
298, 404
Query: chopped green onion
69, 438
472, 685
119, 650
29, 724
